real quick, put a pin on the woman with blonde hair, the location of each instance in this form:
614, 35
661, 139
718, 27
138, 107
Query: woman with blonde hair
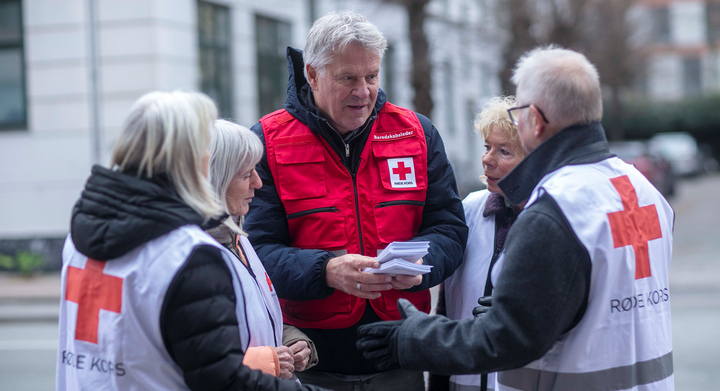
149, 300
281, 349
489, 216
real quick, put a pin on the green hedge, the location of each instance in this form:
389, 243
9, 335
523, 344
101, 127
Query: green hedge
699, 116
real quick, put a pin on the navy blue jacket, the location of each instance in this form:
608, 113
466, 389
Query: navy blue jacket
300, 274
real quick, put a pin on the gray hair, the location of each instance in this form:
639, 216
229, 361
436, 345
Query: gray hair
334, 32
233, 149
562, 83
168, 133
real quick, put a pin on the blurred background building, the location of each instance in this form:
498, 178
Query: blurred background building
677, 43
70, 69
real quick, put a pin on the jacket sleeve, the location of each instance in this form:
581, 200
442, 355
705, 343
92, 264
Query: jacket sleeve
443, 218
297, 274
541, 294
200, 329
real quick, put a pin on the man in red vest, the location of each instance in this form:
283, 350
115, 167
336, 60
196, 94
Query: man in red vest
345, 173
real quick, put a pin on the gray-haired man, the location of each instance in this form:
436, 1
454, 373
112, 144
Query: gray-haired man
581, 298
346, 173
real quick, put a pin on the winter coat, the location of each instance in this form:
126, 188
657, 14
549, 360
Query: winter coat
118, 213
300, 274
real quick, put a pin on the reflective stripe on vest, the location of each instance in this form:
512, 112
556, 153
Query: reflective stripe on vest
467, 283
126, 349
624, 339
618, 378
328, 209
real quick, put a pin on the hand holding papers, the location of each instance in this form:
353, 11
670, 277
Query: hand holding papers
400, 258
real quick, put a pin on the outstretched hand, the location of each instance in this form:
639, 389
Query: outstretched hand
379, 341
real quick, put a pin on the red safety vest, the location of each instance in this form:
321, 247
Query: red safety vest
329, 210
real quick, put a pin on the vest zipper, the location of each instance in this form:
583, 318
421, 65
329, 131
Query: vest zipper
347, 166
400, 202
311, 211
357, 215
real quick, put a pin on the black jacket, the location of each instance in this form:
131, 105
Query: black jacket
300, 274
115, 214
546, 277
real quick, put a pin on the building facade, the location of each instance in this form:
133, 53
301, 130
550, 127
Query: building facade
678, 45
71, 69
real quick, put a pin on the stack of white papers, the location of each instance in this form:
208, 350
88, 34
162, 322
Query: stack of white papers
400, 258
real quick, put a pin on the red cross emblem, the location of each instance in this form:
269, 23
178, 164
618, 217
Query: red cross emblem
269, 282
402, 171
92, 290
634, 225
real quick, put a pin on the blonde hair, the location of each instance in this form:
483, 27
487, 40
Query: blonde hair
233, 149
168, 133
494, 117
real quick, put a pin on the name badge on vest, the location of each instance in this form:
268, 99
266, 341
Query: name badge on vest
402, 172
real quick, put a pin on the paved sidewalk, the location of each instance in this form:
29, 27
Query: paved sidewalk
25, 299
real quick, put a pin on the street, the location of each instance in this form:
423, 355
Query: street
28, 349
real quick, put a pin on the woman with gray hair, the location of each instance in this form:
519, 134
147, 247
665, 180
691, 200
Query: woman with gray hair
150, 301
234, 152
489, 216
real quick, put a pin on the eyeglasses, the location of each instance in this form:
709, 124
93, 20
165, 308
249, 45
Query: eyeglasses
514, 119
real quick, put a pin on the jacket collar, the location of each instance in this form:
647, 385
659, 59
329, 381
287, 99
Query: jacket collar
576, 144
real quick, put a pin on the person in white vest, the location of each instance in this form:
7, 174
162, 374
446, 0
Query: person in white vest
234, 152
489, 216
581, 298
149, 300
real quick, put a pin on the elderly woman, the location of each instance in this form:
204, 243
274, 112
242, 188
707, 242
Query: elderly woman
234, 152
150, 301
489, 216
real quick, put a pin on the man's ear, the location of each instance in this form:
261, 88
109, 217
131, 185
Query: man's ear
312, 74
538, 124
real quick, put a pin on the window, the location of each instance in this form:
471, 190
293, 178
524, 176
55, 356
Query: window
387, 73
13, 109
660, 24
713, 21
272, 38
215, 69
692, 76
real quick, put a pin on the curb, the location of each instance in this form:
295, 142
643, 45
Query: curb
29, 310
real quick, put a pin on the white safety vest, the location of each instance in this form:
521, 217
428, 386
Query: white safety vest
624, 340
467, 284
110, 336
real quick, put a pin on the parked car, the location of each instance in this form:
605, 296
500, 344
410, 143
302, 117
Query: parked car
681, 149
655, 167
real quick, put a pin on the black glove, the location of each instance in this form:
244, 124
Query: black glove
379, 341
485, 304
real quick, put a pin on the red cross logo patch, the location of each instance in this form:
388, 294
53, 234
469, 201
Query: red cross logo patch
635, 225
92, 290
402, 172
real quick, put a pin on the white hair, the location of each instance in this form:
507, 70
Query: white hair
334, 32
167, 133
562, 83
233, 149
